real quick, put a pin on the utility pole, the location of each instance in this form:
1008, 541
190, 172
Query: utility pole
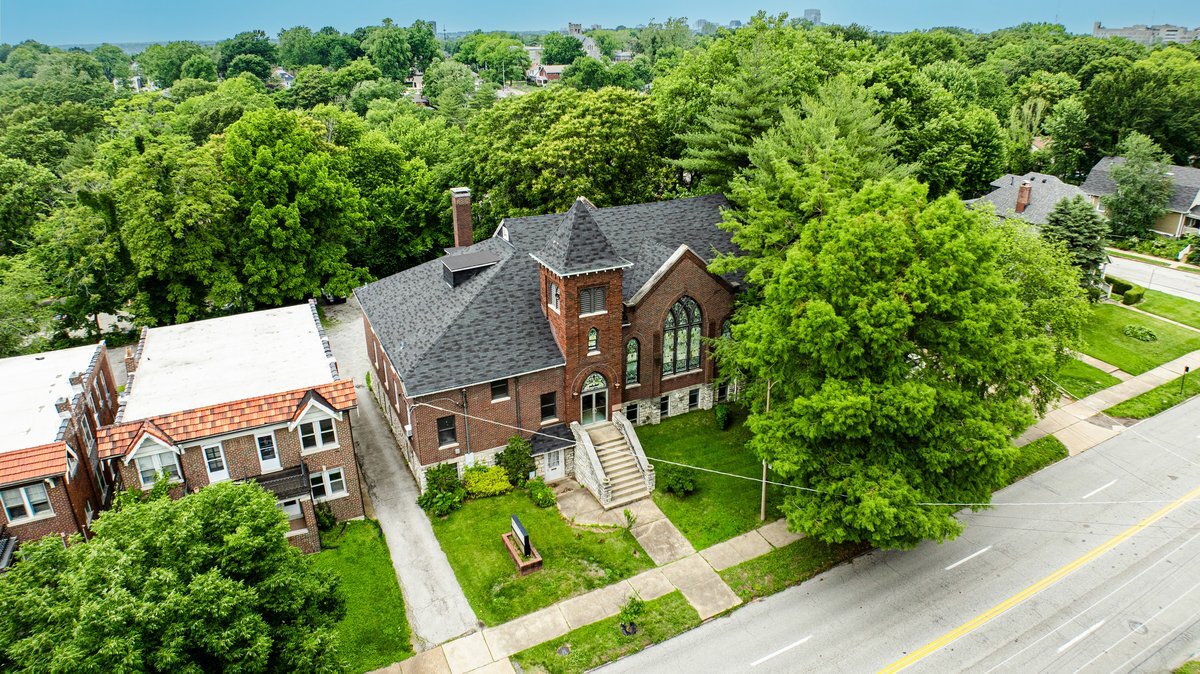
762, 513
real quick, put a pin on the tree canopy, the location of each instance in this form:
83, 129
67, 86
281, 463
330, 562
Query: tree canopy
1142, 187
204, 583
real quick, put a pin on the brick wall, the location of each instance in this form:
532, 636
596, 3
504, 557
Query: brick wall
62, 523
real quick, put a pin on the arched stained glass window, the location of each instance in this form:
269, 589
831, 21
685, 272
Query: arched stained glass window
632, 355
681, 337
594, 382
593, 340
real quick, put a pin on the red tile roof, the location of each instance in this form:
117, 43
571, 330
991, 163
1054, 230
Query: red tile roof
203, 422
31, 463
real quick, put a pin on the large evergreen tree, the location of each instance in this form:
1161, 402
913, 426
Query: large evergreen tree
1083, 231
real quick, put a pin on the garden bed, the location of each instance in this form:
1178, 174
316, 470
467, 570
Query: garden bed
375, 631
1104, 339
575, 560
601, 642
721, 507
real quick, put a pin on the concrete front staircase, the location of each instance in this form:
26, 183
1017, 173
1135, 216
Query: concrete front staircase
620, 465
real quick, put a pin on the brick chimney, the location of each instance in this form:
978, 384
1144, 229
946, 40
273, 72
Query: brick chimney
460, 199
63, 407
130, 361
1023, 194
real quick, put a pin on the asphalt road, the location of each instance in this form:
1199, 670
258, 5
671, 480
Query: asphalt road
1170, 281
1051, 587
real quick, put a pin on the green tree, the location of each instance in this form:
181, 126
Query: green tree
297, 211
24, 312
749, 104
961, 151
248, 43
1067, 127
1084, 232
1142, 187
114, 60
23, 61
35, 142
206, 582
665, 39
249, 63
364, 92
422, 44
586, 74
558, 48
26, 195
201, 116
298, 47
199, 67
902, 357
162, 64
443, 75
387, 46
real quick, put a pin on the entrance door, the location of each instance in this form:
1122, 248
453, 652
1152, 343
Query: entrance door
593, 400
554, 465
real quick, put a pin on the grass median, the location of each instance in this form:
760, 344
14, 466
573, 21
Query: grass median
1082, 380
1158, 399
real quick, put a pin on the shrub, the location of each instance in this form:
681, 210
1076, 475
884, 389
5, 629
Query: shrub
444, 492
484, 481
676, 480
516, 460
540, 493
1119, 285
440, 503
632, 610
1133, 295
724, 416
1140, 333
325, 518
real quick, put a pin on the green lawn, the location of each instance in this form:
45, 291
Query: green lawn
783, 567
1082, 380
1172, 307
1104, 339
722, 507
575, 560
375, 631
601, 642
1157, 399
1036, 456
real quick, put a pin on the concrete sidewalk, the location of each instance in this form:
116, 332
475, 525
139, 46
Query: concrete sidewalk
695, 576
1082, 424
436, 606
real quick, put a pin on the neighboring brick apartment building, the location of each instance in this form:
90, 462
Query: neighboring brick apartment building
553, 319
252, 396
51, 480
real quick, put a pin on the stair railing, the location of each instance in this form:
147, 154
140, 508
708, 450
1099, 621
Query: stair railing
635, 445
588, 469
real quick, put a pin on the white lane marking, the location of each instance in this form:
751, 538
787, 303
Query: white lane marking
785, 649
1082, 635
968, 558
1097, 491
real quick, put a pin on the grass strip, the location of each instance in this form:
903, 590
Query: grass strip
784, 567
1158, 399
1036, 456
601, 642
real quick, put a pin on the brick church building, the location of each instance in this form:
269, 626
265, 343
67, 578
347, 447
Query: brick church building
555, 323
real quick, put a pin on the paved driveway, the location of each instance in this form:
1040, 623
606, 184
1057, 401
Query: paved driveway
1170, 281
437, 608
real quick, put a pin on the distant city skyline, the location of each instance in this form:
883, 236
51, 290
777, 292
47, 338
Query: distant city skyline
61, 22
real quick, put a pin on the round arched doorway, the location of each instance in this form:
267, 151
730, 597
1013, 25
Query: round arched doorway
593, 399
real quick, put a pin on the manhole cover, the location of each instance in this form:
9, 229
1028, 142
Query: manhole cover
565, 649
1138, 627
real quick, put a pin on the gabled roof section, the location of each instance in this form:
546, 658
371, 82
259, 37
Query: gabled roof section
32, 463
310, 400
179, 428
1044, 194
578, 246
1185, 183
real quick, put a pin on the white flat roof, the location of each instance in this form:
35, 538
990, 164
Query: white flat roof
220, 360
30, 385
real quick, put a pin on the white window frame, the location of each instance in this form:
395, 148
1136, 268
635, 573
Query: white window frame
492, 391
283, 505
317, 434
222, 474
326, 484
158, 463
258, 451
554, 297
27, 504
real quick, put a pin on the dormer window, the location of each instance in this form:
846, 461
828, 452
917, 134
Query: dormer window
591, 301
593, 341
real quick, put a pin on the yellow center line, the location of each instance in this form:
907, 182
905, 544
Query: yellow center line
995, 611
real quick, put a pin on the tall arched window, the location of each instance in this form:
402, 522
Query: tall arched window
593, 340
632, 353
681, 337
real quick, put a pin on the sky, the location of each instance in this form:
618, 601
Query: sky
58, 22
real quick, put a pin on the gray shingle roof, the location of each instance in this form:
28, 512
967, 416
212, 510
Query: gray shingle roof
1045, 194
1185, 180
578, 246
491, 326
